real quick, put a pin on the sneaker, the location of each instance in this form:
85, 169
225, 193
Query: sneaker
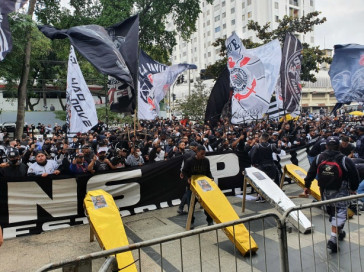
260, 199
342, 235
332, 246
181, 212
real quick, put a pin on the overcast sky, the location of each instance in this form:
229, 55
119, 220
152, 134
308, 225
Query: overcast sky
345, 22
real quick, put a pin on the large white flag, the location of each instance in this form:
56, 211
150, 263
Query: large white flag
81, 111
251, 97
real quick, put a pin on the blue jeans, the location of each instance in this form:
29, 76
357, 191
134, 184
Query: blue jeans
360, 190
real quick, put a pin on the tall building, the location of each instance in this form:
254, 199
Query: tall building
220, 19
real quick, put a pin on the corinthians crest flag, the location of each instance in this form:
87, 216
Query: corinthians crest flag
6, 7
290, 73
347, 73
250, 99
155, 79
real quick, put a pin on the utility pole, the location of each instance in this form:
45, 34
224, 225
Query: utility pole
22, 89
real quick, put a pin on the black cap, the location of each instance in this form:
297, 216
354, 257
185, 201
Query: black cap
333, 140
193, 143
13, 153
361, 128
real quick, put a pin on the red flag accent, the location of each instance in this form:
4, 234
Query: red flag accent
231, 63
150, 77
239, 96
151, 102
244, 61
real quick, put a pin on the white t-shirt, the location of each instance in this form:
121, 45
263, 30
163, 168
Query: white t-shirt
38, 170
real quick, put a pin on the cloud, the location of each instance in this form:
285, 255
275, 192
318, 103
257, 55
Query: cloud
345, 20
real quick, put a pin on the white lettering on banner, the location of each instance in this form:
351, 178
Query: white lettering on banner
56, 225
230, 162
13, 232
129, 191
82, 219
23, 198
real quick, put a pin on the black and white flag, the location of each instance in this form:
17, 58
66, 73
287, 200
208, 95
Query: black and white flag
81, 110
7, 6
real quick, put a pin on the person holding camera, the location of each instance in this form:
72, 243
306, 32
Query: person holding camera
14, 167
79, 165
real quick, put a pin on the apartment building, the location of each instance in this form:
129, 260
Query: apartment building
220, 19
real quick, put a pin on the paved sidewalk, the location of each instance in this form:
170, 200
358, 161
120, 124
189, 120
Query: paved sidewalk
29, 253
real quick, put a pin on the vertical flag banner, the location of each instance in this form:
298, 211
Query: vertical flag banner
81, 109
219, 96
250, 98
290, 73
155, 80
7, 6
347, 73
125, 35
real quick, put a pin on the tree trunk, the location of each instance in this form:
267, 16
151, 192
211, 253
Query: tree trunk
61, 102
22, 90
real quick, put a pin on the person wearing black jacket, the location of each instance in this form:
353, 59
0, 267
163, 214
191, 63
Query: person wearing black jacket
261, 157
14, 167
337, 177
197, 165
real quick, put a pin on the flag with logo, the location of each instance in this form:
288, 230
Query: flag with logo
347, 73
290, 73
155, 80
125, 35
250, 99
81, 110
6, 7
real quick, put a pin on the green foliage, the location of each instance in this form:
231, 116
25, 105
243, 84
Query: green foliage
194, 106
61, 115
312, 56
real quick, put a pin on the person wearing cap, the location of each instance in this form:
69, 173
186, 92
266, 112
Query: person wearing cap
14, 167
88, 153
346, 147
42, 166
100, 163
337, 177
79, 165
119, 160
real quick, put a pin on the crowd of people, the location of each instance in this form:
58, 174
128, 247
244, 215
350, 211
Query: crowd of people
45, 150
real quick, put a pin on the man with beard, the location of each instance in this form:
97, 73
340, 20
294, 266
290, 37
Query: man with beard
42, 166
14, 167
119, 160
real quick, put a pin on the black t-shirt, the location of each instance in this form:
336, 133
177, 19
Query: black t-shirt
14, 171
347, 150
101, 166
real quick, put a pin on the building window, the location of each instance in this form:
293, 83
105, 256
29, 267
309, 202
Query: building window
208, 12
243, 5
312, 39
276, 5
249, 2
233, 10
244, 29
223, 4
223, 26
223, 15
276, 18
233, 22
217, 7
217, 29
243, 17
217, 18
217, 51
311, 3
209, 54
184, 54
208, 22
249, 14
208, 33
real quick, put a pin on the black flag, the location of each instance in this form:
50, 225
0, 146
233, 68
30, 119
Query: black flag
7, 6
220, 95
290, 73
125, 36
95, 44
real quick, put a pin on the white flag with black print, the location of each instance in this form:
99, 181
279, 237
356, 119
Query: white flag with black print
7, 6
251, 97
81, 110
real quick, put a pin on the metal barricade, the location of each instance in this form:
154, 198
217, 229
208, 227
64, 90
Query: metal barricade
185, 252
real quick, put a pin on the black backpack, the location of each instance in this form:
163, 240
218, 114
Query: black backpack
330, 172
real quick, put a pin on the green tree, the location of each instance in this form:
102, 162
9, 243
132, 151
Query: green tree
194, 106
312, 56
